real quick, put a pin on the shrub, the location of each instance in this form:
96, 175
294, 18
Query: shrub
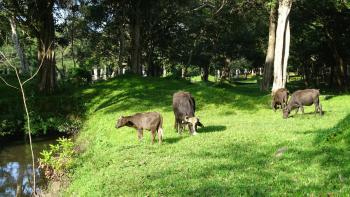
58, 159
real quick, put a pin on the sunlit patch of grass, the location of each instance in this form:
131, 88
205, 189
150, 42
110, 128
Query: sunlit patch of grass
234, 154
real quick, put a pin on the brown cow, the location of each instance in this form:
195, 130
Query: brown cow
302, 98
152, 121
184, 107
280, 97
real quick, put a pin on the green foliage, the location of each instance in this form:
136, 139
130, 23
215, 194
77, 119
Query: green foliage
240, 63
62, 112
53, 123
8, 127
235, 154
58, 159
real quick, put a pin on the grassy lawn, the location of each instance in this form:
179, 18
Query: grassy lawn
244, 149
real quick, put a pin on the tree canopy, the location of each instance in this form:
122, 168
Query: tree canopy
184, 38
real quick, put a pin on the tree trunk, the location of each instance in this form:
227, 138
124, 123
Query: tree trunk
46, 54
121, 47
225, 72
184, 72
18, 47
72, 45
164, 71
205, 73
282, 45
286, 53
184, 68
268, 67
340, 69
135, 40
64, 69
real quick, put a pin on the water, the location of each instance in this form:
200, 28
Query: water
16, 168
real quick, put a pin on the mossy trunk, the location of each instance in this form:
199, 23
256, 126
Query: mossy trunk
46, 53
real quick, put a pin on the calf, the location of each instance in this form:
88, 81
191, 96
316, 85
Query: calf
152, 121
184, 107
280, 97
302, 98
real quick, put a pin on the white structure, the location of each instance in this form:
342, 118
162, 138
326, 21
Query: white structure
237, 73
95, 74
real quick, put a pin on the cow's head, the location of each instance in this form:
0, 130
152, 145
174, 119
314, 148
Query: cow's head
193, 122
120, 122
286, 112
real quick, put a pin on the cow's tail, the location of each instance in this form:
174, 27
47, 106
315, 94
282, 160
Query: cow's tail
160, 127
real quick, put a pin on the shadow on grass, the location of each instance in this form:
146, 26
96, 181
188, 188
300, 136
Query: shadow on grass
173, 140
245, 171
307, 114
331, 151
145, 94
253, 170
212, 128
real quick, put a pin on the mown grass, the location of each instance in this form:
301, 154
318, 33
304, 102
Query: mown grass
234, 154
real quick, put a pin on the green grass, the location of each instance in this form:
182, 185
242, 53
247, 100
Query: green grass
234, 154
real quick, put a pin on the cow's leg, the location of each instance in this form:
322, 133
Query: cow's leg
140, 134
273, 105
302, 109
176, 125
190, 129
317, 103
153, 131
181, 128
320, 109
160, 135
297, 110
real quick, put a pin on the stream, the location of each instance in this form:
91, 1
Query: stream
16, 167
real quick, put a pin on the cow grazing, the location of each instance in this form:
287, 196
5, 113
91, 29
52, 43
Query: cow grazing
152, 121
184, 107
280, 98
302, 98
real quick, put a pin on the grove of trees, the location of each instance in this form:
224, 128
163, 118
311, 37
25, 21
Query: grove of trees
180, 38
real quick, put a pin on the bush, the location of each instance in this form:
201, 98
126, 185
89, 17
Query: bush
58, 159
82, 76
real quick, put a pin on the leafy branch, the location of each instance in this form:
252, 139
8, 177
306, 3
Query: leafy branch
21, 89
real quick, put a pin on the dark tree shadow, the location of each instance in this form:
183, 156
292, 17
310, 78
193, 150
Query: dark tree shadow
144, 94
331, 152
307, 114
212, 128
173, 140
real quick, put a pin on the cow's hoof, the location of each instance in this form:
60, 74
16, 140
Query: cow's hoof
195, 133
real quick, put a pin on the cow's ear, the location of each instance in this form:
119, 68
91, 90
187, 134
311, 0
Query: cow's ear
200, 124
186, 118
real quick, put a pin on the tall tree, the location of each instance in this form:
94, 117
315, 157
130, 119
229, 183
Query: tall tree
135, 37
270, 54
37, 18
17, 45
282, 45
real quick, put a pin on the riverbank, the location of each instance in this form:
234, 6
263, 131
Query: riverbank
61, 112
244, 149
16, 166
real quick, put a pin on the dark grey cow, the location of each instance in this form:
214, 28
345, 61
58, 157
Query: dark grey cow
152, 121
302, 98
184, 107
280, 98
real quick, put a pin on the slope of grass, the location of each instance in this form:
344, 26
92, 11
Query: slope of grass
244, 149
